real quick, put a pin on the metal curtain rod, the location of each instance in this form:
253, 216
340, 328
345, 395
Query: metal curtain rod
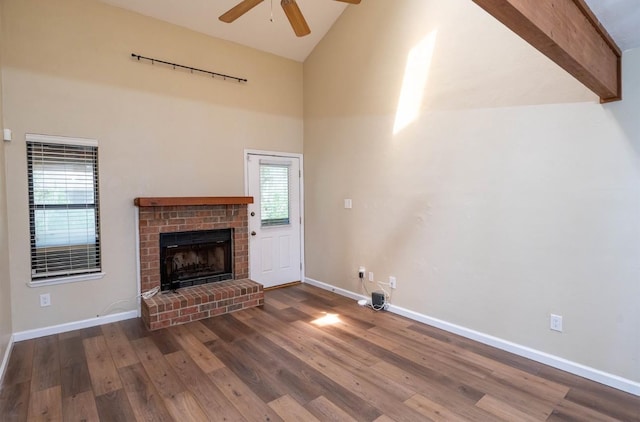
192, 69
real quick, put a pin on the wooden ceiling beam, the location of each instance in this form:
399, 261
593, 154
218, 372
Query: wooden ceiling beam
568, 33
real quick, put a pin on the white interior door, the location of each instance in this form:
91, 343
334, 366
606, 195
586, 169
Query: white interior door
274, 219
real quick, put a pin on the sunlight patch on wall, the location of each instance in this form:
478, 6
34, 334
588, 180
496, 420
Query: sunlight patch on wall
414, 82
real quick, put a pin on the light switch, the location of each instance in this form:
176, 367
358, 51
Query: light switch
348, 204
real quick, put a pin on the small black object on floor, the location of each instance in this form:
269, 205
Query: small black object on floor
377, 300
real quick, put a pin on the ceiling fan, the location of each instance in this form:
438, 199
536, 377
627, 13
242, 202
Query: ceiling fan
290, 7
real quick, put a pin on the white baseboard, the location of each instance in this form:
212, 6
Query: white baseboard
76, 325
338, 290
5, 358
584, 371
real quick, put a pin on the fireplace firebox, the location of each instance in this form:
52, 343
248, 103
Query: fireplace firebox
195, 257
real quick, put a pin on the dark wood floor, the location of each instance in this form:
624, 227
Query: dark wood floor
307, 355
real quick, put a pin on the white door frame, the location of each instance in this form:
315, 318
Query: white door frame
247, 152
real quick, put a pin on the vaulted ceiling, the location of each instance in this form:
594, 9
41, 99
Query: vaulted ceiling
266, 28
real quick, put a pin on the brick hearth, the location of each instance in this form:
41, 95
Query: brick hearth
165, 215
199, 302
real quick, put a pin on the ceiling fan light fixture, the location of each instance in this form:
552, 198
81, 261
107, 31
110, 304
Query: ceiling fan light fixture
290, 7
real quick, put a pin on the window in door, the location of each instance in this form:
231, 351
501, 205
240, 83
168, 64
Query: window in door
274, 194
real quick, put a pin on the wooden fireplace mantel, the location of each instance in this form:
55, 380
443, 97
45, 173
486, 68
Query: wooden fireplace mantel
192, 200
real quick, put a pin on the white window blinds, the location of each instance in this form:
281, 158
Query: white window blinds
63, 206
274, 194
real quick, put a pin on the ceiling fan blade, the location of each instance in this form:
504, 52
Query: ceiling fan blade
297, 21
350, 1
238, 10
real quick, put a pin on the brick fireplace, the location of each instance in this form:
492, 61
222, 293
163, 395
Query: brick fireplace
179, 215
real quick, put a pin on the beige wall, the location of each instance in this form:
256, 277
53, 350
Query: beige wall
67, 71
5, 284
513, 194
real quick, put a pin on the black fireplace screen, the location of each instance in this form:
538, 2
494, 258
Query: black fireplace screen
196, 257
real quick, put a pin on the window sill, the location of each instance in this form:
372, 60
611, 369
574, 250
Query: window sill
65, 280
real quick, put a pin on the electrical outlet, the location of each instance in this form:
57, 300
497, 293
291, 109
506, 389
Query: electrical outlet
556, 322
392, 282
370, 276
45, 300
361, 271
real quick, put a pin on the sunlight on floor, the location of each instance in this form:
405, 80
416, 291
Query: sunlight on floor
415, 80
328, 319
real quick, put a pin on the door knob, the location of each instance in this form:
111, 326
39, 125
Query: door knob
253, 233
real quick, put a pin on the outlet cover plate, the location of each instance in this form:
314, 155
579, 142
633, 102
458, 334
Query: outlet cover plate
555, 322
45, 300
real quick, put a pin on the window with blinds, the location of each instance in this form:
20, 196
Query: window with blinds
274, 194
63, 207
